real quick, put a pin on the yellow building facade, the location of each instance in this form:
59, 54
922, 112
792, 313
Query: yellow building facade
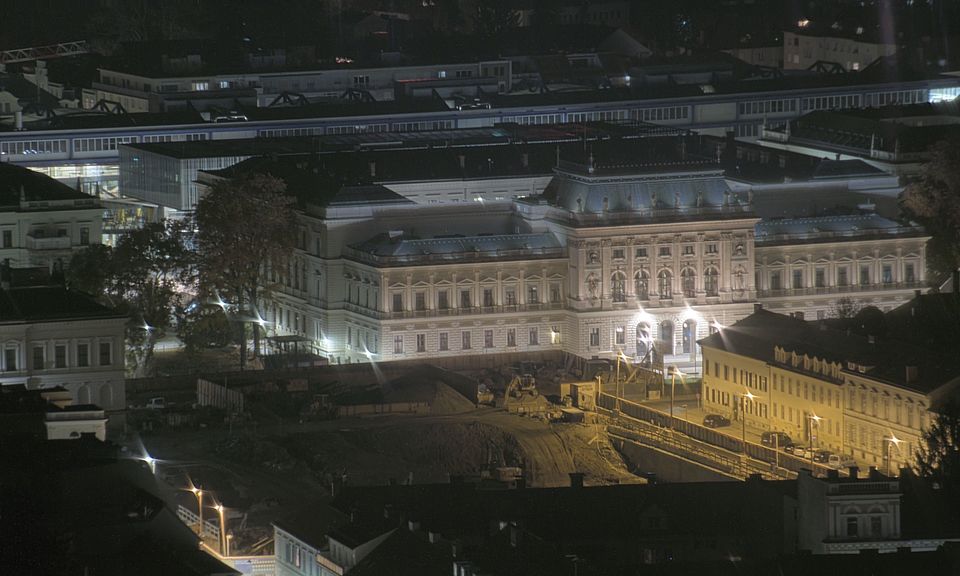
766, 369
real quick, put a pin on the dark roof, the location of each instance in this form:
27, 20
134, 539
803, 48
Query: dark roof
34, 186
49, 303
27, 92
883, 356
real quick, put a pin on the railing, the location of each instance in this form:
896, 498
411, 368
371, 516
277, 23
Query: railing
432, 313
48, 242
265, 565
898, 231
210, 528
709, 435
824, 290
329, 564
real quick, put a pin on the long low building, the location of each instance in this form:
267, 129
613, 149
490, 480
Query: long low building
633, 246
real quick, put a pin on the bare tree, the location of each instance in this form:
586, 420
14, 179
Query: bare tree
845, 307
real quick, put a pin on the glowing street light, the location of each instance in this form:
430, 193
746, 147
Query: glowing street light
743, 416
889, 441
813, 419
223, 528
198, 492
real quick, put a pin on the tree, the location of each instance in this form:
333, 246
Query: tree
845, 307
244, 225
934, 200
938, 456
143, 277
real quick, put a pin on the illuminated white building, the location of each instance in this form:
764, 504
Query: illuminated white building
631, 243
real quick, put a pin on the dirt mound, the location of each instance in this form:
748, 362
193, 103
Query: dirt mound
433, 386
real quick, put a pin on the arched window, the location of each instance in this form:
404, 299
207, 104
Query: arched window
665, 284
688, 282
711, 281
641, 285
689, 335
643, 340
618, 286
666, 337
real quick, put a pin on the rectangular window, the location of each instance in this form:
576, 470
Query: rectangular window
398, 302
852, 526
688, 250
876, 526
712, 248
465, 340
106, 353
421, 342
60, 356
618, 253
797, 279
555, 293
398, 344
8, 239
640, 252
619, 335
534, 336
420, 301
84, 235
533, 295
819, 278
865, 274
488, 297
909, 275
38, 358
465, 299
510, 297
488, 338
511, 337
83, 355
842, 279
443, 300
887, 273
594, 337
664, 251
775, 283
444, 341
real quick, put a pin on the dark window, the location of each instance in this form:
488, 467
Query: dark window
398, 302
60, 356
38, 357
83, 355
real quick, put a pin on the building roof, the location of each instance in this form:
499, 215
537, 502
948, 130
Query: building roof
880, 356
49, 304
831, 228
382, 249
26, 91
22, 184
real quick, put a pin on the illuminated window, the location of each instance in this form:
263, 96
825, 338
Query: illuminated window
444, 341
534, 336
511, 337
465, 340
398, 344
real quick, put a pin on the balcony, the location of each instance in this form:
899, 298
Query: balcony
437, 312
48, 242
830, 290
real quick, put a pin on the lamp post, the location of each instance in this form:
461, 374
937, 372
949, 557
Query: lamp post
813, 419
674, 372
223, 528
199, 494
889, 441
743, 416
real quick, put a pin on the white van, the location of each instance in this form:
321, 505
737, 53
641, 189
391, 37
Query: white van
840, 461
158, 403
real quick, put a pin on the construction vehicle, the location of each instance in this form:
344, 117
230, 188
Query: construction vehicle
521, 385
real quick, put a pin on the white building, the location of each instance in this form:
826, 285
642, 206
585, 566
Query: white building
42, 221
630, 245
54, 337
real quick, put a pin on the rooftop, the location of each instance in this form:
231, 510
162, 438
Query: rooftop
828, 228
19, 184
49, 304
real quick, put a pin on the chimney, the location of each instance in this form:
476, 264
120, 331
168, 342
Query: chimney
576, 479
912, 372
373, 168
757, 307
18, 120
854, 472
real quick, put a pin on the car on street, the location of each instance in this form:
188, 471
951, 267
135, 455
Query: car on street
839, 461
802, 452
821, 456
158, 403
775, 439
715, 421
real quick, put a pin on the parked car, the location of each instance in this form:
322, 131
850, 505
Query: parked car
802, 452
838, 461
821, 456
790, 448
715, 421
775, 439
158, 403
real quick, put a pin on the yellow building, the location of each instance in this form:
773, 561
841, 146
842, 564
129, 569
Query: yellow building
825, 388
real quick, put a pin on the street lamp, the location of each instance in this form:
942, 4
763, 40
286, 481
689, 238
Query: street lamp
223, 528
229, 537
889, 441
743, 416
199, 494
674, 372
813, 419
